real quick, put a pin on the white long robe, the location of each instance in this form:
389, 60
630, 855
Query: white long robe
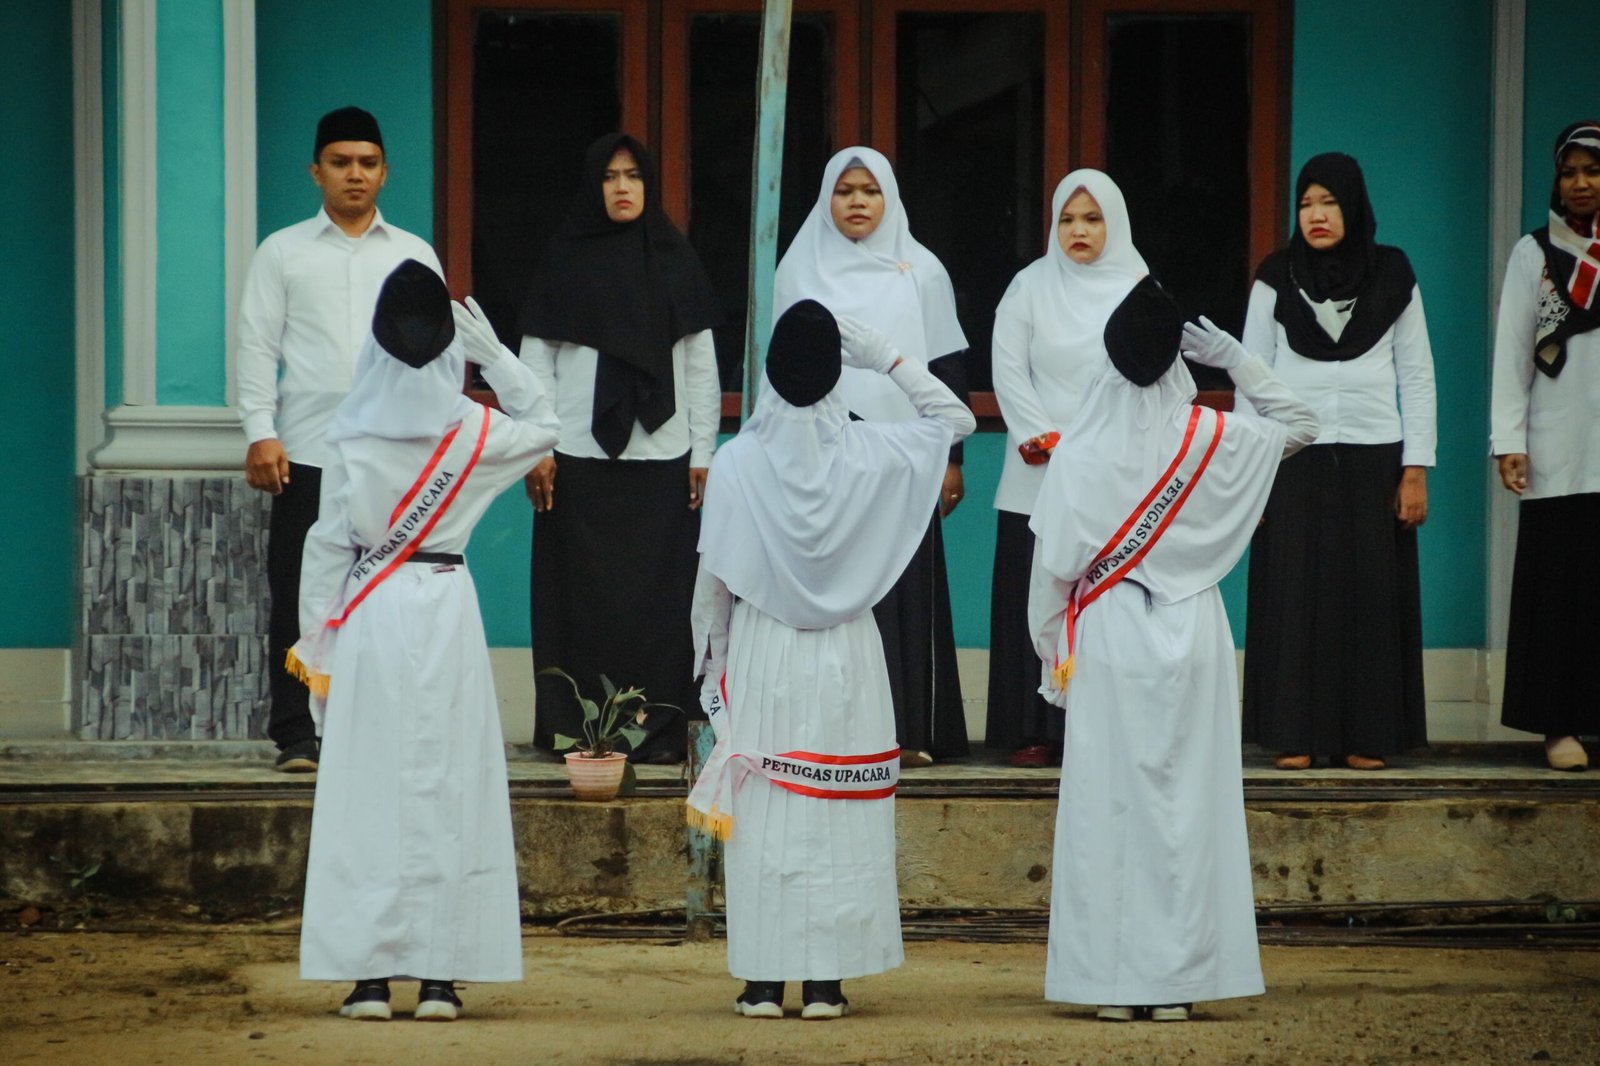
1151, 900
811, 888
809, 517
412, 870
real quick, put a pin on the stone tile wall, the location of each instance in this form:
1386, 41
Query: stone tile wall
174, 609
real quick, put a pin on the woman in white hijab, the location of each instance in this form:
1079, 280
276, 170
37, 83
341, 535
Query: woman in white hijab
1147, 503
855, 255
809, 519
1048, 347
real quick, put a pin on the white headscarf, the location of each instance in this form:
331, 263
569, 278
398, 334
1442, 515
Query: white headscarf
1116, 449
886, 280
812, 517
397, 402
1071, 302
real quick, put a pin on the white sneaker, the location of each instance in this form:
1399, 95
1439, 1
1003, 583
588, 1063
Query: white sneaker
760, 999
1114, 1014
1176, 1012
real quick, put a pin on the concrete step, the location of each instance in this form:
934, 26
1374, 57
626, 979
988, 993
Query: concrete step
211, 824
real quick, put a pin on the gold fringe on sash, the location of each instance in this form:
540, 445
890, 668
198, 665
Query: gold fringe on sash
717, 823
1063, 673
317, 683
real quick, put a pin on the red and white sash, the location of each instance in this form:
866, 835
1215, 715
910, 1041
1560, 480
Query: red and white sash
805, 773
1136, 536
412, 519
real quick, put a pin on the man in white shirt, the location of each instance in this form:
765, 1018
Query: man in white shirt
307, 308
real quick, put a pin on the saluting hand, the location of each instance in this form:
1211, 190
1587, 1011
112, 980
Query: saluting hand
266, 466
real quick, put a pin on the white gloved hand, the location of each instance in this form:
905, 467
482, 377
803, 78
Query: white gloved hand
1210, 345
478, 340
865, 347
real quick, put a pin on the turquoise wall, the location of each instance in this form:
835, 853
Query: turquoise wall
312, 57
1434, 63
191, 205
1560, 40
37, 404
1410, 98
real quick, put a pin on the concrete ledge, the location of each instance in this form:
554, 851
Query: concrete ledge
582, 857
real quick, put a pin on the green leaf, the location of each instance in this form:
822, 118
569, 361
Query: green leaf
590, 711
633, 735
563, 742
605, 683
630, 781
90, 872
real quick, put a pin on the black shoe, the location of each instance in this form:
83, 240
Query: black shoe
823, 999
437, 1002
369, 1001
760, 999
299, 757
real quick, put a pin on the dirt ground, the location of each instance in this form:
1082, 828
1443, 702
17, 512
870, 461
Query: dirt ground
232, 996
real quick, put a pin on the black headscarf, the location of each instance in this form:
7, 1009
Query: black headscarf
1556, 325
803, 356
412, 320
1143, 333
1379, 278
630, 290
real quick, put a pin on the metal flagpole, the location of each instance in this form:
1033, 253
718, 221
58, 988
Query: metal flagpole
766, 180
772, 92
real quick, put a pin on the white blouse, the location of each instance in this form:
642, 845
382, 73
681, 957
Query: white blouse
1035, 395
1384, 395
567, 373
1553, 420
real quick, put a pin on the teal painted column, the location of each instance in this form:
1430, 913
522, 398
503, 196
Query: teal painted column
179, 143
191, 224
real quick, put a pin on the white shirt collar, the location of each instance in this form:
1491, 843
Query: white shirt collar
326, 223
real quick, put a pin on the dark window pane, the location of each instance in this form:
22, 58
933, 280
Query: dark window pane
544, 86
723, 56
1177, 142
969, 140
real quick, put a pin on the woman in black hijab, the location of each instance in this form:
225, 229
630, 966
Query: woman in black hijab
1546, 436
1333, 664
617, 325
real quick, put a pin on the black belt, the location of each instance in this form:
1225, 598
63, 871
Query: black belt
441, 558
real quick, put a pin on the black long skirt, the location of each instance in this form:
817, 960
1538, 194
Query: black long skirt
919, 646
613, 584
1018, 715
1333, 663
1551, 683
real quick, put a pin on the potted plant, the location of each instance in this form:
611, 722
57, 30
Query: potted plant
596, 768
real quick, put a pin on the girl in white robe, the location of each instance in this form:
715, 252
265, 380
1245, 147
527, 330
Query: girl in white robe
809, 519
412, 870
1147, 503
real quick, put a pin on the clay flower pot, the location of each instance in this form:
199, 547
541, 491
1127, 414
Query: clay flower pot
595, 778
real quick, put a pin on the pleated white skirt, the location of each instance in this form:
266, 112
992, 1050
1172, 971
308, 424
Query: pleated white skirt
1151, 899
412, 869
811, 888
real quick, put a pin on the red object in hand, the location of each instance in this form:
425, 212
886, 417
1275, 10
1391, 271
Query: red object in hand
1036, 450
